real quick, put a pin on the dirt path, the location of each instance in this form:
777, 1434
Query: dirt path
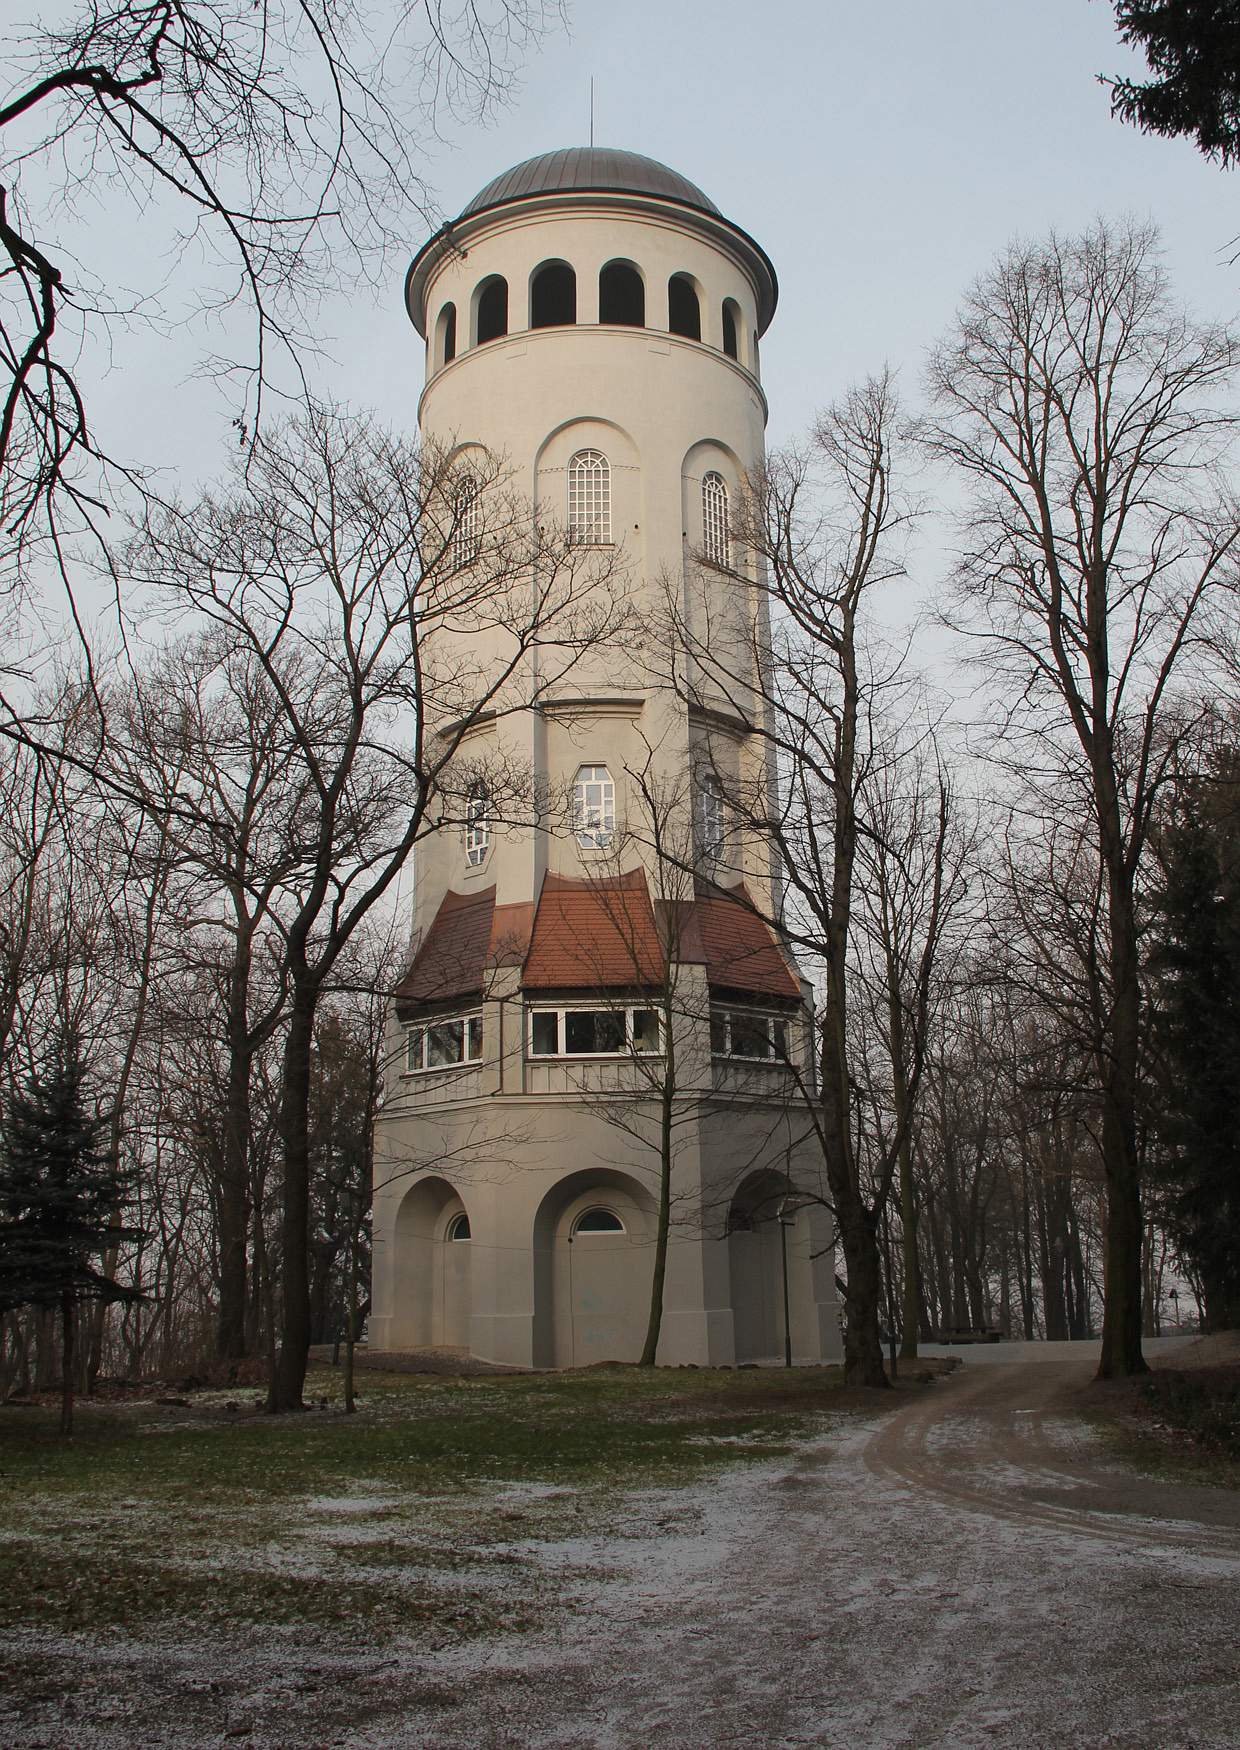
973, 1570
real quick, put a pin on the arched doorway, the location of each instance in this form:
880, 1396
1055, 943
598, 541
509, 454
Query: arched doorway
756, 1258
433, 1301
593, 1262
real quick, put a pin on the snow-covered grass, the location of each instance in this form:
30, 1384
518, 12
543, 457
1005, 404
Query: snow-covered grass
412, 1520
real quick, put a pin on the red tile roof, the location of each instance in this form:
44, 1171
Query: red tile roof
594, 934
469, 936
738, 947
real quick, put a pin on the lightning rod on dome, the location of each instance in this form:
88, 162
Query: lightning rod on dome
591, 112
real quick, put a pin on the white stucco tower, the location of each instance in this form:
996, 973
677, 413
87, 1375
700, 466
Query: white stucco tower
593, 318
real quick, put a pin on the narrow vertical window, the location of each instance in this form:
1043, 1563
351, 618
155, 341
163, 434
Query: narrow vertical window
465, 522
731, 343
477, 826
445, 336
594, 808
589, 498
684, 313
716, 541
709, 816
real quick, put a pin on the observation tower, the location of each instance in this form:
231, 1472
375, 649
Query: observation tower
594, 319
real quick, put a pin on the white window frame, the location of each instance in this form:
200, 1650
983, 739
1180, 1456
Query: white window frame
417, 1038
716, 531
561, 1053
711, 819
465, 538
600, 1232
589, 499
477, 825
780, 1052
594, 821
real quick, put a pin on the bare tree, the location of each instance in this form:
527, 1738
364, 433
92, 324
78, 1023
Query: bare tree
276, 148
339, 567
824, 694
1075, 400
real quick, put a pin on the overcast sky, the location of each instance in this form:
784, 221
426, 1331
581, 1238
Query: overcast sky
881, 153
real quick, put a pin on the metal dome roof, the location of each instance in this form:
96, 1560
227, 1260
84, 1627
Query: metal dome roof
595, 168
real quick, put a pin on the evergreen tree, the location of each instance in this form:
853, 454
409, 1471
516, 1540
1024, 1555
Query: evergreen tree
1197, 966
1194, 48
60, 1200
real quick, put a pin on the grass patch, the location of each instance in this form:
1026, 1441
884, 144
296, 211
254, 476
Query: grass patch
211, 1516
1201, 1402
1180, 1425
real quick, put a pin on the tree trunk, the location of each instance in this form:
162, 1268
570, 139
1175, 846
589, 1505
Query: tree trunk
234, 1196
667, 1093
1121, 1319
288, 1376
68, 1362
863, 1349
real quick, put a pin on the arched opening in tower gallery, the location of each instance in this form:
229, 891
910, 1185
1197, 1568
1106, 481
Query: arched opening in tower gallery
731, 328
622, 295
491, 310
445, 336
684, 307
553, 296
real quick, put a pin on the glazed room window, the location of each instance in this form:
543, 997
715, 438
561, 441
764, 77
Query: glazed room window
594, 808
746, 1034
589, 498
444, 1044
458, 1227
716, 542
477, 826
594, 1032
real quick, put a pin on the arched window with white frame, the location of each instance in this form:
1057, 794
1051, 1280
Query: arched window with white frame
589, 498
710, 820
465, 521
477, 825
716, 538
594, 808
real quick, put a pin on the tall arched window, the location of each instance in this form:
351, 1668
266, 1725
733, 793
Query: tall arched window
731, 328
553, 296
594, 808
710, 825
589, 498
477, 825
492, 314
445, 336
465, 522
621, 295
716, 542
684, 313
